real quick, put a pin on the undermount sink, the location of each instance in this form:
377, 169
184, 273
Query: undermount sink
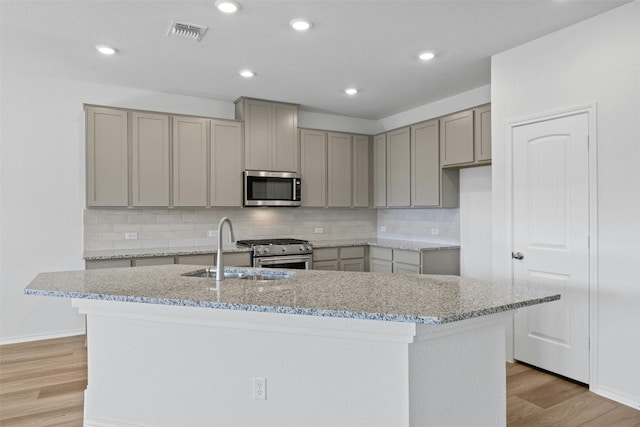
210, 273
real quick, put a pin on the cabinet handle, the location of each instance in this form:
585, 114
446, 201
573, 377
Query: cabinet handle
517, 255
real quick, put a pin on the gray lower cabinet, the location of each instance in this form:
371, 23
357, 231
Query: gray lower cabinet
233, 259
440, 261
149, 159
107, 157
347, 258
107, 263
156, 260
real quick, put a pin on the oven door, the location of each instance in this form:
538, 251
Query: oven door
291, 262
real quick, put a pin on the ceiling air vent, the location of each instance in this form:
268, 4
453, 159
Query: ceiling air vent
190, 31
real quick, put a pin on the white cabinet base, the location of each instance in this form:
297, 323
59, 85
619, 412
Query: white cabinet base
159, 365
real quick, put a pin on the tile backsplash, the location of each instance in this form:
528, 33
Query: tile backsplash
106, 229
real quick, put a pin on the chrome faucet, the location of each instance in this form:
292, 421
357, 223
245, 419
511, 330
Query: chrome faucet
232, 238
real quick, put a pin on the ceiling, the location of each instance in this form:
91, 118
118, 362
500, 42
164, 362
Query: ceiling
368, 44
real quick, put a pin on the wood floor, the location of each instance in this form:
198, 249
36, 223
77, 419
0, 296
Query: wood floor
42, 384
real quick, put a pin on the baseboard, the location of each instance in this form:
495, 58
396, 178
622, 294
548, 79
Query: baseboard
39, 337
625, 399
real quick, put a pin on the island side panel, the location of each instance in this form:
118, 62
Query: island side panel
457, 374
166, 366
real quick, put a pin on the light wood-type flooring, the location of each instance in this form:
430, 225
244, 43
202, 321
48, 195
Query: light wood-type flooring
42, 384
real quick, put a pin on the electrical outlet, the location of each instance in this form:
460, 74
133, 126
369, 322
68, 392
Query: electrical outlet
435, 231
212, 233
259, 388
383, 229
319, 230
131, 236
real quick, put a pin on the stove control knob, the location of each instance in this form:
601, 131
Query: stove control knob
284, 249
265, 250
301, 247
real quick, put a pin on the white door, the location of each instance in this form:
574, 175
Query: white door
551, 242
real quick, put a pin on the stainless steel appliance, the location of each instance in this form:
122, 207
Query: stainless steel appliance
267, 188
279, 253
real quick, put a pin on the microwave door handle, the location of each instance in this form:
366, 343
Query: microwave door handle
293, 190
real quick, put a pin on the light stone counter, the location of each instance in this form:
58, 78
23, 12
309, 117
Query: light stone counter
328, 348
232, 248
378, 296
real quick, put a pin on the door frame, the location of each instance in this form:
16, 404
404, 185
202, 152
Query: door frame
591, 111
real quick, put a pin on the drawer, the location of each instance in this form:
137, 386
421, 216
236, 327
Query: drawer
237, 259
381, 253
406, 257
107, 263
207, 259
325, 254
352, 252
156, 260
331, 265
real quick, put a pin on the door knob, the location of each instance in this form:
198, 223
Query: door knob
517, 255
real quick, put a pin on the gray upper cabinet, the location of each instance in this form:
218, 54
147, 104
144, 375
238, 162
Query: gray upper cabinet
313, 167
189, 161
150, 159
107, 157
271, 134
482, 137
456, 138
465, 138
361, 175
380, 171
339, 170
425, 164
225, 186
399, 168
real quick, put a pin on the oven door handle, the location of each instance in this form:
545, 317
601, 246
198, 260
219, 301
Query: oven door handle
291, 259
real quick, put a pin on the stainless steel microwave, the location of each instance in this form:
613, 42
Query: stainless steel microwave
267, 188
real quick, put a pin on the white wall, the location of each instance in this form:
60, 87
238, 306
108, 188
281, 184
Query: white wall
596, 61
475, 223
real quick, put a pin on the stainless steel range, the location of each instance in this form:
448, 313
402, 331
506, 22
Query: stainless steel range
279, 253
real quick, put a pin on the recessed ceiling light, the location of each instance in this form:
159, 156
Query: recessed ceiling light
426, 56
351, 91
227, 6
106, 50
300, 24
247, 73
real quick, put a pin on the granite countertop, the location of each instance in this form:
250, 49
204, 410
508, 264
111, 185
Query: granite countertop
229, 248
378, 296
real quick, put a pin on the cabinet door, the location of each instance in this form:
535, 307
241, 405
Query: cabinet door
313, 167
236, 259
156, 260
406, 268
226, 163
150, 159
399, 168
482, 137
284, 139
456, 138
189, 161
380, 170
425, 164
204, 259
352, 265
360, 171
339, 170
107, 157
257, 151
326, 265
380, 266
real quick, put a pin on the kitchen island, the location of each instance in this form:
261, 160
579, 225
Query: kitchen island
318, 348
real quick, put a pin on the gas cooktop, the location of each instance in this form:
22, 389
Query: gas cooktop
251, 243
